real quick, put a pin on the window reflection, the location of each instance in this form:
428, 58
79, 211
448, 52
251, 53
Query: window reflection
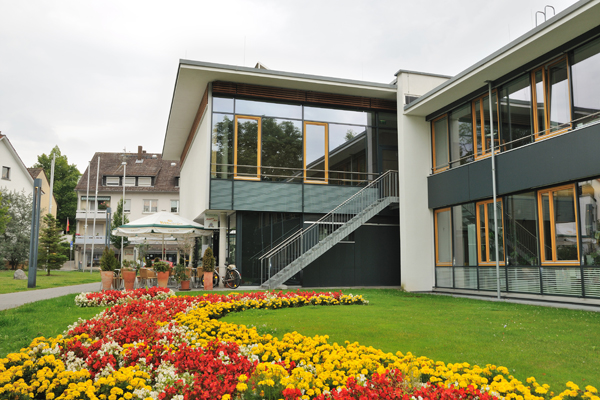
281, 148
586, 83
520, 220
347, 154
558, 96
247, 148
465, 235
515, 108
443, 236
315, 152
440, 143
461, 135
333, 115
253, 107
221, 104
558, 225
222, 146
589, 196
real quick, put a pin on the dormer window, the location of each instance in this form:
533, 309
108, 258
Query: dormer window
112, 181
130, 181
145, 181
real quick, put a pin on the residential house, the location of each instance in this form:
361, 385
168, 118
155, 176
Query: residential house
14, 173
151, 185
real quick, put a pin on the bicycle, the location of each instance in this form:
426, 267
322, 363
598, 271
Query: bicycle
232, 278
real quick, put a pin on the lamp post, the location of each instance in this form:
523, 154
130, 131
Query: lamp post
124, 163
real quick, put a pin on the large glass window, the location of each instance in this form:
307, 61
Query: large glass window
247, 147
347, 153
340, 116
222, 105
465, 235
439, 137
461, 135
520, 225
264, 108
558, 225
482, 131
515, 109
586, 83
316, 163
222, 146
443, 237
552, 95
487, 232
589, 196
281, 148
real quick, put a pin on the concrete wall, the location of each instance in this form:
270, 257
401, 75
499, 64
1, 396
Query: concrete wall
19, 176
195, 170
414, 164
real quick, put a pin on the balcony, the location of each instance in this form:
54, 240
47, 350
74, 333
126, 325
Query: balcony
97, 214
97, 240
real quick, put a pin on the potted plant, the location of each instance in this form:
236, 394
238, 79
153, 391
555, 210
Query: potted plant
162, 273
108, 263
182, 277
208, 265
128, 272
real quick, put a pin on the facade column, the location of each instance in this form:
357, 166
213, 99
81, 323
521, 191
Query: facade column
222, 246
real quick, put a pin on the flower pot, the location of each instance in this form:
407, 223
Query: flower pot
107, 278
129, 278
163, 278
185, 285
208, 281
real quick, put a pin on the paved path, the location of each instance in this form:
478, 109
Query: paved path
12, 300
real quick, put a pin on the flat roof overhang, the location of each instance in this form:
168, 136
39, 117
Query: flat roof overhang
558, 30
193, 77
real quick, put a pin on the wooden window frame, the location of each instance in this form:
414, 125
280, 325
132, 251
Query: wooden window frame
546, 86
437, 252
554, 260
435, 169
325, 180
487, 230
258, 149
485, 152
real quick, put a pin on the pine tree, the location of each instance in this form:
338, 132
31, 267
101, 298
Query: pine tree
51, 250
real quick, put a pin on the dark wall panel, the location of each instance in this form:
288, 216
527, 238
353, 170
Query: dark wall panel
448, 187
220, 194
267, 196
569, 157
377, 255
334, 268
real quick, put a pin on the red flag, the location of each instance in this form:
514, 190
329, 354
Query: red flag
67, 224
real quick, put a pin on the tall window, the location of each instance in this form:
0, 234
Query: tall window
559, 238
150, 206
439, 137
112, 181
589, 227
461, 135
443, 237
586, 83
552, 98
130, 181
316, 160
247, 148
515, 110
6, 173
486, 231
174, 206
482, 131
127, 205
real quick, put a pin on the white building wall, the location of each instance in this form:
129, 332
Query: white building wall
417, 253
19, 176
195, 170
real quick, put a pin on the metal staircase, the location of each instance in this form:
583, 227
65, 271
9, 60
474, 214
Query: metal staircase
303, 247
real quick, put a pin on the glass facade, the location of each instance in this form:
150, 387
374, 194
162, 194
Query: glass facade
286, 142
586, 83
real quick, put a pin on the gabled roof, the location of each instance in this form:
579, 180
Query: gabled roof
34, 172
4, 138
151, 164
556, 31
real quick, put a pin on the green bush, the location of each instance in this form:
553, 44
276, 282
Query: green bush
208, 261
108, 261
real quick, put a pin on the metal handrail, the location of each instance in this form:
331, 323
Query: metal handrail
305, 239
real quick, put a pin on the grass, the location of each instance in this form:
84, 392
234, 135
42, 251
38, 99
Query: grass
49, 318
554, 345
56, 279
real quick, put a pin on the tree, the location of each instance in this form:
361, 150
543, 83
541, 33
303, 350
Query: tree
66, 177
14, 242
118, 221
4, 216
51, 250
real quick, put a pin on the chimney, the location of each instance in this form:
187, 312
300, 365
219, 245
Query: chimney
139, 156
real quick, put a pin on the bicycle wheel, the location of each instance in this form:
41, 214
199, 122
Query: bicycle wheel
232, 279
215, 279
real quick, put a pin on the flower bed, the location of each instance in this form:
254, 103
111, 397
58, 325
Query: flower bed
178, 348
112, 297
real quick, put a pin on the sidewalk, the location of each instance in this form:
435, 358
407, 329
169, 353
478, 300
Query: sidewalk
12, 300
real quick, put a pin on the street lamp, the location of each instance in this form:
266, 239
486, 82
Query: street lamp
124, 163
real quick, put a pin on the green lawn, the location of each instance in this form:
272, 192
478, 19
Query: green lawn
56, 279
554, 345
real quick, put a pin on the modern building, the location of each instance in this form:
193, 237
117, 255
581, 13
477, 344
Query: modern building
151, 185
264, 153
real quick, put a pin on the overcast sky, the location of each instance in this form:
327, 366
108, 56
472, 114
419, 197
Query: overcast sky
99, 75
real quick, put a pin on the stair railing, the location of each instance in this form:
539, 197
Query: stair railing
305, 239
